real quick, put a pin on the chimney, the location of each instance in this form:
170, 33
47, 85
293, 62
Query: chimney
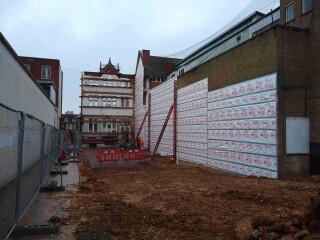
146, 57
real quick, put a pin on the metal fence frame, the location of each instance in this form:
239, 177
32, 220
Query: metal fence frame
32, 148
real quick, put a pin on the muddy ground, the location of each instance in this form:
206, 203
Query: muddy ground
161, 200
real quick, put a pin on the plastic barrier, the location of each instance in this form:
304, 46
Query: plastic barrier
120, 155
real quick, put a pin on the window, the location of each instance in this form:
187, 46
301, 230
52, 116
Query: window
109, 83
46, 72
90, 102
109, 101
93, 127
114, 102
127, 102
96, 82
66, 119
27, 66
74, 120
123, 84
114, 127
91, 82
104, 83
290, 12
114, 84
104, 102
96, 101
128, 84
306, 6
122, 102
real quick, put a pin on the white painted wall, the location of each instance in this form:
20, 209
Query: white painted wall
139, 108
18, 90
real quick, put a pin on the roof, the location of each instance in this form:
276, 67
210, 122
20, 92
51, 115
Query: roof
221, 37
109, 68
49, 59
157, 66
99, 75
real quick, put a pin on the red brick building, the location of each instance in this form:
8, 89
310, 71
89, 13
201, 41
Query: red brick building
49, 75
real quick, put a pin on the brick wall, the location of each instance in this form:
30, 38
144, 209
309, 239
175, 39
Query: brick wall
292, 73
299, 95
254, 58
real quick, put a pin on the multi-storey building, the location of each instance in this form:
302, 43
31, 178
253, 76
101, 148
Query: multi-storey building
70, 122
106, 106
151, 71
49, 76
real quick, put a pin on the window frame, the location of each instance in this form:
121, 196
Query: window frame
286, 12
104, 102
27, 66
303, 5
47, 70
96, 102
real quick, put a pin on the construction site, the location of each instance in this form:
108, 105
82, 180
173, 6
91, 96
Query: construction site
223, 143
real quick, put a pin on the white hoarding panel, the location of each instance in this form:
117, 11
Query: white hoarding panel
161, 101
192, 122
242, 127
241, 169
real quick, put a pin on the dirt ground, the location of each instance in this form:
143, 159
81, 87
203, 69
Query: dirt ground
161, 200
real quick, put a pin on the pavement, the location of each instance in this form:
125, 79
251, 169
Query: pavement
48, 205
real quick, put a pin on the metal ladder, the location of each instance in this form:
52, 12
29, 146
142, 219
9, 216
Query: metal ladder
162, 132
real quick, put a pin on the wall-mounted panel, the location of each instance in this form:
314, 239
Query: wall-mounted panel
192, 137
242, 127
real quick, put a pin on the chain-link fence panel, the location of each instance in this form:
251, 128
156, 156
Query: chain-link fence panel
32, 155
24, 143
9, 133
61, 146
77, 142
49, 149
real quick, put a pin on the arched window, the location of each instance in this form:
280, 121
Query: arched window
104, 102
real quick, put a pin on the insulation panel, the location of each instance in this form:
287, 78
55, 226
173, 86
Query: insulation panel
242, 127
192, 138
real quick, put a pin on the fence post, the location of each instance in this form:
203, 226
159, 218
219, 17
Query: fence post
74, 144
21, 130
43, 144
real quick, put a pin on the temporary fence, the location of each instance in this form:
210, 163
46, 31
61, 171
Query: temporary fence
74, 144
114, 156
28, 150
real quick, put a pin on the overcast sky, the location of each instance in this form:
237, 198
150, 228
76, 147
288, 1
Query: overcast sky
81, 33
